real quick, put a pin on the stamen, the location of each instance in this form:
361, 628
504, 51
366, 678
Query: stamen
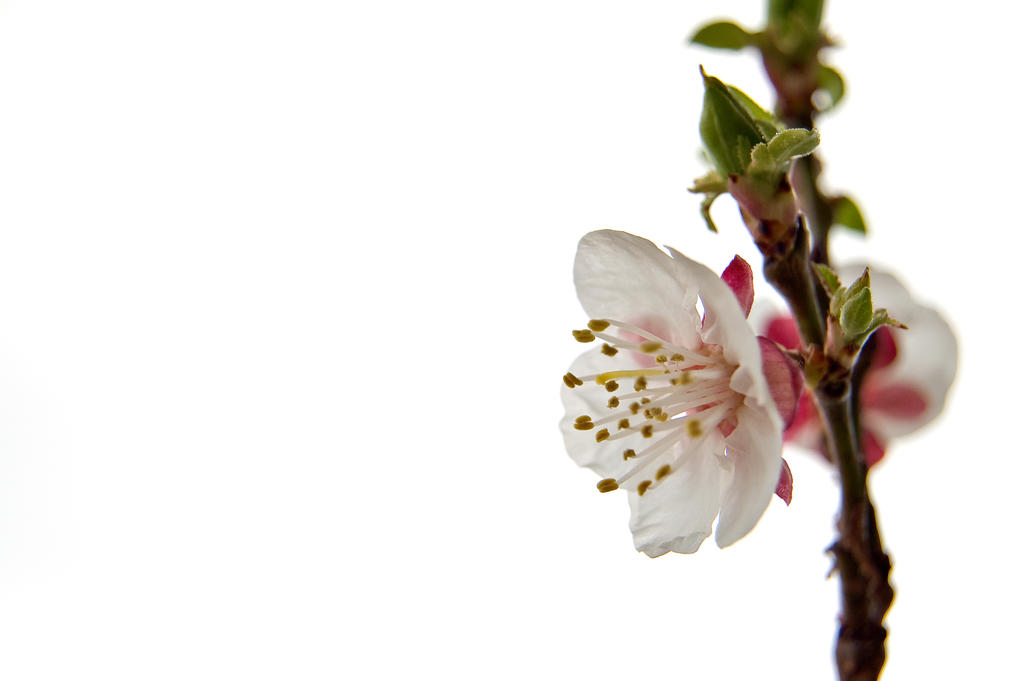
644, 486
653, 453
648, 337
650, 346
583, 423
613, 402
627, 373
663, 472
598, 324
602, 435
607, 485
609, 350
583, 335
628, 454
623, 424
611, 386
693, 428
571, 381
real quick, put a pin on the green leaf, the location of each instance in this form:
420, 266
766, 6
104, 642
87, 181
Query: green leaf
862, 283
727, 128
783, 11
831, 83
767, 123
846, 213
724, 35
793, 143
827, 277
710, 182
705, 211
879, 319
882, 318
857, 313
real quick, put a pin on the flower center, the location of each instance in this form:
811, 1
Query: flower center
679, 395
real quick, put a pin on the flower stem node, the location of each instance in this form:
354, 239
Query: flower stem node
852, 317
752, 153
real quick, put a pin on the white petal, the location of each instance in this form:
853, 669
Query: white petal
623, 277
926, 358
591, 399
726, 325
676, 515
755, 449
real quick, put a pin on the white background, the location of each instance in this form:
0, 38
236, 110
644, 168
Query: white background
285, 295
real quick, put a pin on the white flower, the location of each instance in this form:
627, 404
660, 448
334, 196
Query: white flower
673, 408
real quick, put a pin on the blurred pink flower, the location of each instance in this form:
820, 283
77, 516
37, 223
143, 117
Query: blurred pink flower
905, 385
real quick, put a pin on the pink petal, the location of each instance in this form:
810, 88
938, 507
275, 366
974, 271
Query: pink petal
873, 449
885, 348
784, 490
782, 330
895, 400
806, 411
740, 279
785, 380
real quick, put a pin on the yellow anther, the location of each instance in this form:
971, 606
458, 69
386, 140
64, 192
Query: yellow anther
645, 400
640, 384
647, 431
643, 486
650, 346
583, 425
682, 379
571, 381
663, 472
677, 357
613, 402
635, 408
609, 350
661, 359
611, 386
623, 424
583, 335
602, 435
598, 325
662, 417
581, 419
694, 428
607, 485
628, 454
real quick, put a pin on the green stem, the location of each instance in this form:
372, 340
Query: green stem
814, 204
790, 273
861, 562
